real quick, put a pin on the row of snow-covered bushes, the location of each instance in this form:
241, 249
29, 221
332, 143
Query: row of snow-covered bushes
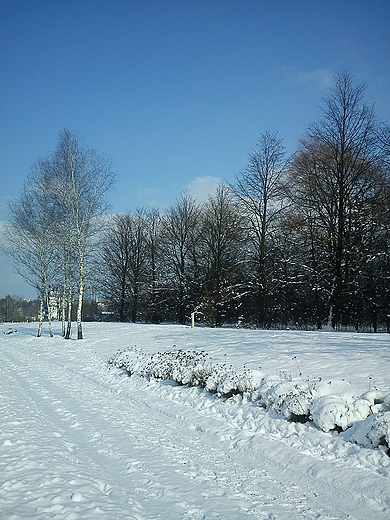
192, 368
330, 405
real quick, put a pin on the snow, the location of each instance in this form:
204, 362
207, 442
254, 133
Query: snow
81, 439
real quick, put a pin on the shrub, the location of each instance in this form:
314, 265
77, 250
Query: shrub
331, 405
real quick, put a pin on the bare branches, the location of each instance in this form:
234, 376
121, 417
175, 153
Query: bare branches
260, 190
83, 178
54, 222
334, 178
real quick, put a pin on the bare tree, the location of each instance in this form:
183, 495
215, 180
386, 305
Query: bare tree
129, 259
154, 240
29, 237
336, 174
181, 233
138, 260
222, 256
116, 260
259, 189
82, 177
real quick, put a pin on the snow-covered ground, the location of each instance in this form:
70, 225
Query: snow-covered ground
80, 440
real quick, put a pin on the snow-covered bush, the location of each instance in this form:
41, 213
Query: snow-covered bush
286, 396
9, 331
338, 408
330, 405
374, 431
187, 368
190, 368
330, 412
184, 367
129, 360
226, 382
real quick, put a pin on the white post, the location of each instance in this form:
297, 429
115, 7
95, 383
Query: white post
192, 320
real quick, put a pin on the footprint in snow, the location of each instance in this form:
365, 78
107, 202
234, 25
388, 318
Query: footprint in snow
194, 514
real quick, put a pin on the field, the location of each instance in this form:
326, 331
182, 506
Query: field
82, 439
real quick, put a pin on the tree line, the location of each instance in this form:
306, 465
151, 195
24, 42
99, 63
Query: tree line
16, 309
299, 241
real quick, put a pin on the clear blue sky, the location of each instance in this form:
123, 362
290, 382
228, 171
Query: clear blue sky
176, 93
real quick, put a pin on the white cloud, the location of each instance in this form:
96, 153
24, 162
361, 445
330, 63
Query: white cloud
147, 198
203, 187
320, 77
148, 192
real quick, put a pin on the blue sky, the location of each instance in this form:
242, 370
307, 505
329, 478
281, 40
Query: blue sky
176, 93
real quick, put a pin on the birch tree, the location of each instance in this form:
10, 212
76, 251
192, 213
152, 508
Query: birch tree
83, 177
29, 238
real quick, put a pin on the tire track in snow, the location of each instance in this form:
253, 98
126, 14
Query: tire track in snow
38, 389
39, 438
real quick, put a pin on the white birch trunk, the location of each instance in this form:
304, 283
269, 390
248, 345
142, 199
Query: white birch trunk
50, 325
41, 315
80, 300
49, 316
69, 311
63, 312
69, 320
